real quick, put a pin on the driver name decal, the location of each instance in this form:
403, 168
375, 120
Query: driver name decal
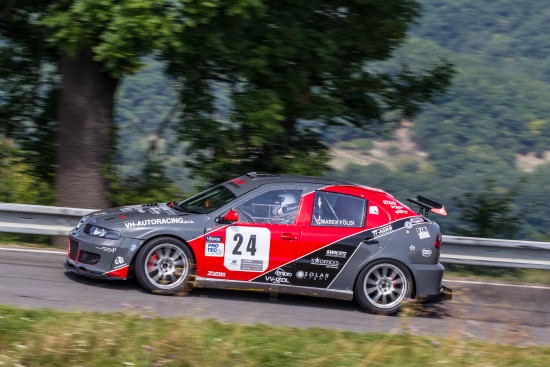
334, 222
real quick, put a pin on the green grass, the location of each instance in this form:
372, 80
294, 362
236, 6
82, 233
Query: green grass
512, 275
48, 338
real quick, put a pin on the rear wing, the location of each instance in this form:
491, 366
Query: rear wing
426, 206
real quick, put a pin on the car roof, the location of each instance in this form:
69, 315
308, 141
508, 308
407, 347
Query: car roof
283, 178
252, 180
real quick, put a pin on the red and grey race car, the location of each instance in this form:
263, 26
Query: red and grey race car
270, 232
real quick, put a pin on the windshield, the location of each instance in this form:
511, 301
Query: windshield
207, 201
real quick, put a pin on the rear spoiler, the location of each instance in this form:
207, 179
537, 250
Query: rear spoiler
426, 206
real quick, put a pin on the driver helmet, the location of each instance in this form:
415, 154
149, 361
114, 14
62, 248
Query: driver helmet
284, 204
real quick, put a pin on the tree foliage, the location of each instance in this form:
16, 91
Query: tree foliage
291, 68
489, 213
288, 69
492, 123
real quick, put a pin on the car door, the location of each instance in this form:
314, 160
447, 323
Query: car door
262, 245
328, 237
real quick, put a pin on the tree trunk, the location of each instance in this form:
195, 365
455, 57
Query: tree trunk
85, 116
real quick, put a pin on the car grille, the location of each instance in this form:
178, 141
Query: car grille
88, 258
87, 228
73, 249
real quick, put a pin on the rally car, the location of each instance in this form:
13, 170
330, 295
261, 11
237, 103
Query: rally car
275, 233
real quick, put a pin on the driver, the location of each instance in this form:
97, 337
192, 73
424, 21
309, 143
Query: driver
284, 208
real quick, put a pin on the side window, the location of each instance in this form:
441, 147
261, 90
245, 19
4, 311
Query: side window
276, 206
338, 210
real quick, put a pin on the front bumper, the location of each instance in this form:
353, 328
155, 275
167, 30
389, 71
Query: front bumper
72, 267
100, 258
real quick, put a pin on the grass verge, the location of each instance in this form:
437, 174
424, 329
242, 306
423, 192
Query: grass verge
50, 338
491, 273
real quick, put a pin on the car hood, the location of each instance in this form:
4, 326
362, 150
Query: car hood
128, 217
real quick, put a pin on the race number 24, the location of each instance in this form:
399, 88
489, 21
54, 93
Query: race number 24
247, 248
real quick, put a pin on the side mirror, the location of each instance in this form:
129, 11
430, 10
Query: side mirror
230, 217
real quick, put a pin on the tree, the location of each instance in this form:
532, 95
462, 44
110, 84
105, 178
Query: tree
87, 46
290, 68
490, 213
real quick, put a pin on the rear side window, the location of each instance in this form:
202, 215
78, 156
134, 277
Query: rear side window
338, 210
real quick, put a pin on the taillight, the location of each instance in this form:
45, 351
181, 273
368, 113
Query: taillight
68, 247
438, 241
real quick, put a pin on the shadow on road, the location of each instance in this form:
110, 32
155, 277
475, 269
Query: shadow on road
412, 309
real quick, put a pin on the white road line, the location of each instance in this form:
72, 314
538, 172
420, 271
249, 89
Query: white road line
36, 251
497, 284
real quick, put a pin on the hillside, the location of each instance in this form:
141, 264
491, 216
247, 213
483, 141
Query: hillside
492, 124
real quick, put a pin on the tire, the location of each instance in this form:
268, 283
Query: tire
165, 266
382, 286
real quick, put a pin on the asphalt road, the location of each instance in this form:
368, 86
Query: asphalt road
503, 313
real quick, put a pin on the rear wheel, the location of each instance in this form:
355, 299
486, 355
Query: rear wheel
165, 265
383, 286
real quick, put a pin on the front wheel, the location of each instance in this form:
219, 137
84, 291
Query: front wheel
165, 265
383, 286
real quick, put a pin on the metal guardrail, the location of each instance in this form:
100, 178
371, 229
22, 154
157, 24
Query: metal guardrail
39, 219
57, 221
495, 252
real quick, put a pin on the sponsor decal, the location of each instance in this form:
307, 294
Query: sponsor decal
281, 277
416, 220
106, 249
281, 273
334, 222
373, 210
155, 211
311, 275
333, 253
166, 208
334, 264
219, 274
412, 248
133, 247
252, 265
237, 182
276, 280
408, 225
152, 222
214, 238
119, 260
398, 207
426, 252
214, 249
127, 209
382, 231
423, 233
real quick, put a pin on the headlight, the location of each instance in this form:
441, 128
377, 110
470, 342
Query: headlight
82, 221
104, 233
